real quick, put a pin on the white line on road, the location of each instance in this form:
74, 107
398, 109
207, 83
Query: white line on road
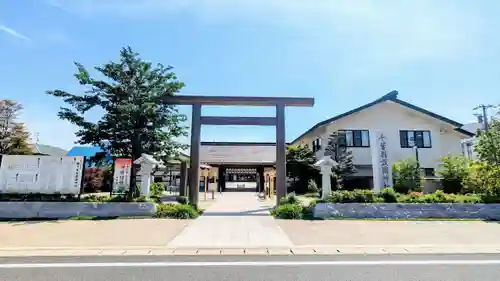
251, 263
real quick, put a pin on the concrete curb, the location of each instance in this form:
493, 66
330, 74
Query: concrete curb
279, 251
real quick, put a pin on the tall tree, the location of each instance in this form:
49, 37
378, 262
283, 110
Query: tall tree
137, 117
488, 144
337, 149
13, 135
300, 167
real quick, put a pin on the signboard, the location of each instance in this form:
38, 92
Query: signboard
382, 174
121, 175
41, 174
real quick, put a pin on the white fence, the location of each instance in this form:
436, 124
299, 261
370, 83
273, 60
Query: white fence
25, 174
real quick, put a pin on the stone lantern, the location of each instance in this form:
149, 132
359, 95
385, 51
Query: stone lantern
325, 164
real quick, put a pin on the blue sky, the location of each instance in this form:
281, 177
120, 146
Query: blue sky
443, 57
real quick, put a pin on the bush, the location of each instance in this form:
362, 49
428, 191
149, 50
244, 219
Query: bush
157, 189
288, 212
388, 195
182, 200
454, 173
176, 211
439, 197
290, 199
312, 187
308, 211
355, 196
482, 178
407, 176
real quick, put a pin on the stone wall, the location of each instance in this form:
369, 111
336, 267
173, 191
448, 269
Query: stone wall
408, 210
55, 210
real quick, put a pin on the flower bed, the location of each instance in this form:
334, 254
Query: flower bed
387, 204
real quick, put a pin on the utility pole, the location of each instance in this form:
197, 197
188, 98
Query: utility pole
483, 116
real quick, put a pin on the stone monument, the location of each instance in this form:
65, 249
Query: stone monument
382, 170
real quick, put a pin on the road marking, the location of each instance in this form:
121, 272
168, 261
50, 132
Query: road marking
251, 263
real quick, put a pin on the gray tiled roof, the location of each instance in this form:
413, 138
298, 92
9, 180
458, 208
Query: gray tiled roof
238, 153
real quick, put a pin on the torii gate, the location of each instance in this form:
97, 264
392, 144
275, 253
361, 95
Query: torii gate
278, 121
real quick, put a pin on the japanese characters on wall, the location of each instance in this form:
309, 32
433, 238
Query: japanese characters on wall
41, 174
121, 175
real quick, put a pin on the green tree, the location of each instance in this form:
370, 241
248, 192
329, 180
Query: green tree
13, 135
300, 167
137, 117
407, 175
337, 149
482, 178
488, 144
454, 172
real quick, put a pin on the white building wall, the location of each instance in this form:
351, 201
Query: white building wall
390, 118
468, 150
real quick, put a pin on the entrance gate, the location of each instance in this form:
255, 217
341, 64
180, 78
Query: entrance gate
278, 121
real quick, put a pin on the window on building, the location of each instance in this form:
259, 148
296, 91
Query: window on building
316, 145
420, 139
429, 172
356, 138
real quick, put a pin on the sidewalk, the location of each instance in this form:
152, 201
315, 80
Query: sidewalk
235, 220
239, 224
91, 234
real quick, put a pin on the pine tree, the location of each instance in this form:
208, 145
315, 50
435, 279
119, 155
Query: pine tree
336, 148
137, 115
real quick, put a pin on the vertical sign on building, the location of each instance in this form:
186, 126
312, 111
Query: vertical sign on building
382, 174
121, 175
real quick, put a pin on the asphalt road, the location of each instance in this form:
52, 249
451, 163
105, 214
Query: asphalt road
272, 268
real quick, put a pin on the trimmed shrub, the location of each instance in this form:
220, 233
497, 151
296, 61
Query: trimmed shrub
312, 187
407, 176
355, 196
288, 212
290, 199
308, 211
176, 211
388, 195
157, 189
455, 171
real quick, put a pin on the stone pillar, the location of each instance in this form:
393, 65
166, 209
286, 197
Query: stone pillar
280, 153
326, 183
194, 177
382, 170
262, 178
183, 179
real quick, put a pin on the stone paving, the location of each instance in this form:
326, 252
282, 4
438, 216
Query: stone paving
235, 220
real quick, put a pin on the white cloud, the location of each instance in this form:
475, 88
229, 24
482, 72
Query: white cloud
374, 30
14, 33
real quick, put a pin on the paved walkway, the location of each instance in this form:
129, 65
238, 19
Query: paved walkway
237, 219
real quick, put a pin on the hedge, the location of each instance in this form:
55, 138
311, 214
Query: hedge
390, 196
